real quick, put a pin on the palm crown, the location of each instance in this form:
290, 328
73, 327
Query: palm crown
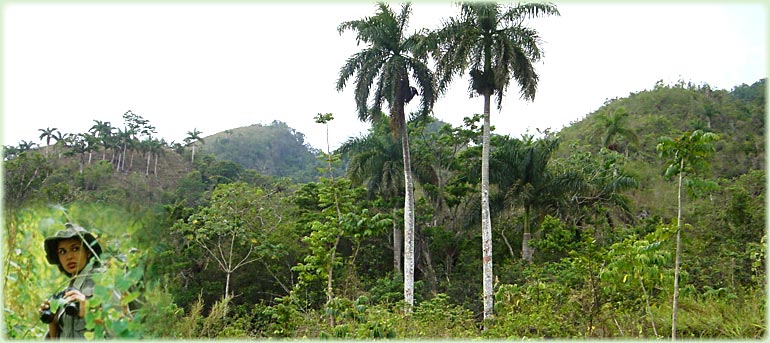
385, 64
491, 41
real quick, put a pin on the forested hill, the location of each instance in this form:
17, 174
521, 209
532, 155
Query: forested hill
633, 125
275, 150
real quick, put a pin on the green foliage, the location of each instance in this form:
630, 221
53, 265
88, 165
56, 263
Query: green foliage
333, 212
22, 178
688, 153
725, 316
118, 307
535, 310
603, 266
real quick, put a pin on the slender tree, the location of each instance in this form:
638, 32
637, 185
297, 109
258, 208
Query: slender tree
492, 41
686, 154
385, 64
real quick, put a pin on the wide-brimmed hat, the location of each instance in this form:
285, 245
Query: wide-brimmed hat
72, 231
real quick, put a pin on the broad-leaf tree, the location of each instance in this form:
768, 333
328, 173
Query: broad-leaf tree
492, 42
686, 154
233, 230
385, 64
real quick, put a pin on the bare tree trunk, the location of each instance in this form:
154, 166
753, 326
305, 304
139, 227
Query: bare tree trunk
674, 307
123, 158
147, 171
526, 251
408, 216
330, 278
227, 283
486, 221
647, 302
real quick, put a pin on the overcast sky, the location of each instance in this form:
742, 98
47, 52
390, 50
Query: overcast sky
215, 67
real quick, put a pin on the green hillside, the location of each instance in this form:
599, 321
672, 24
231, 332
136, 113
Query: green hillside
737, 116
275, 150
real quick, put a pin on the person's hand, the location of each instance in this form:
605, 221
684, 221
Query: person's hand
44, 306
76, 295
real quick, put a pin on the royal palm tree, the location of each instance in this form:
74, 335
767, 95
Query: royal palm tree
25, 146
193, 137
103, 131
386, 64
491, 41
686, 154
48, 134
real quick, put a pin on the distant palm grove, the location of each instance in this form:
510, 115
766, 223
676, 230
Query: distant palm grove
644, 219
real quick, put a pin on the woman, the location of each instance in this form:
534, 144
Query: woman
76, 252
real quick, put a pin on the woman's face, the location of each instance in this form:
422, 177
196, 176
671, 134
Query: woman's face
73, 256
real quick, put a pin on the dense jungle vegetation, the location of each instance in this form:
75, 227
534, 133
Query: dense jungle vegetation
251, 233
602, 265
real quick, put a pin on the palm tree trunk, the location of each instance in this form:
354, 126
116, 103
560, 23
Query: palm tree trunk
408, 215
123, 158
526, 250
674, 306
486, 221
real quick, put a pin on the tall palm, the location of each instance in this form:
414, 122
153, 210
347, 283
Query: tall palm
103, 131
686, 154
385, 64
48, 134
26, 146
491, 41
193, 137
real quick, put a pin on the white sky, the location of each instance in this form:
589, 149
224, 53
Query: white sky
215, 67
